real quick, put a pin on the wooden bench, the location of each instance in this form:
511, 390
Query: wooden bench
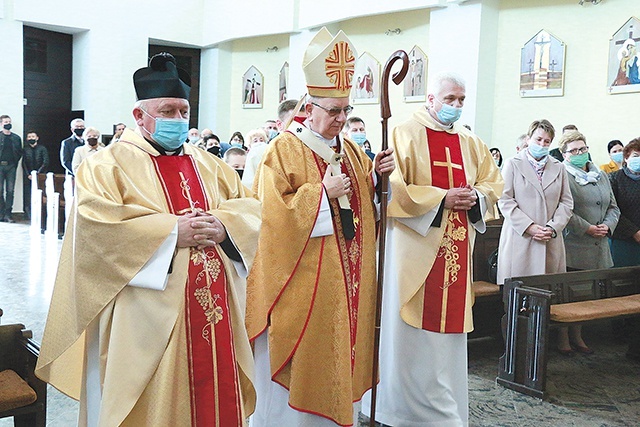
487, 308
23, 396
534, 304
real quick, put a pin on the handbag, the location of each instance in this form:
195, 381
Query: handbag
492, 263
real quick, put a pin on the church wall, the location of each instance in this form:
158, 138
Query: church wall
586, 31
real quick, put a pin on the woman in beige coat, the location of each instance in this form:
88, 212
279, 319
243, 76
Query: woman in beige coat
536, 204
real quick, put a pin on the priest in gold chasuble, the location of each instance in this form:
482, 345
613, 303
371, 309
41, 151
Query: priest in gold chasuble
311, 292
146, 325
445, 182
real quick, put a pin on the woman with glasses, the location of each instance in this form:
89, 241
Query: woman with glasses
595, 216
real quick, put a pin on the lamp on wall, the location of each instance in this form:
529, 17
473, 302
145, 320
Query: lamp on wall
392, 32
581, 2
272, 49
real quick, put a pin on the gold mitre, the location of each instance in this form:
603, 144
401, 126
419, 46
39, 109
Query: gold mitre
328, 65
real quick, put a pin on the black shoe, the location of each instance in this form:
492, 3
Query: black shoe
3, 220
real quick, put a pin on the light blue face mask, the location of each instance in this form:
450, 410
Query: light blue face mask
359, 138
538, 151
633, 163
234, 145
617, 157
169, 133
272, 134
447, 113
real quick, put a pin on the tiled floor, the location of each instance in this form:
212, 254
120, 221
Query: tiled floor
598, 390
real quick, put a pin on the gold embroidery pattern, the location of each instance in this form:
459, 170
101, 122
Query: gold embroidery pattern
339, 66
449, 249
212, 267
354, 252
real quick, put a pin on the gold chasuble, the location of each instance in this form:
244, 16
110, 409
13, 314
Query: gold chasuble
178, 356
436, 274
315, 296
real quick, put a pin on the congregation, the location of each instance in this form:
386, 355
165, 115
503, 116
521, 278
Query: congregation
278, 335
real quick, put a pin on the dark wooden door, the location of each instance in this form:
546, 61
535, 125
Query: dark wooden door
189, 60
47, 89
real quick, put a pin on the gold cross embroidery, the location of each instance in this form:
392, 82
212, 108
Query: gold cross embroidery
186, 193
338, 65
450, 166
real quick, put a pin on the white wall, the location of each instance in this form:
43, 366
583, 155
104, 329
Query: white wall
586, 30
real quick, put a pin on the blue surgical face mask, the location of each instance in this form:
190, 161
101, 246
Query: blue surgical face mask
617, 157
170, 133
272, 134
234, 145
538, 151
633, 163
447, 113
359, 138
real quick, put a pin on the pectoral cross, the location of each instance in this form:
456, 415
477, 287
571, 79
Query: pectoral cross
449, 165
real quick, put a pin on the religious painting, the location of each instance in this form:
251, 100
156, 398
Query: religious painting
415, 83
542, 66
366, 80
284, 81
624, 58
252, 88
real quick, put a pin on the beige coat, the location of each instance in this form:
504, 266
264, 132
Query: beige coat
526, 201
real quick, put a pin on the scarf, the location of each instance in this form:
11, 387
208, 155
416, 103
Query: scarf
633, 176
582, 177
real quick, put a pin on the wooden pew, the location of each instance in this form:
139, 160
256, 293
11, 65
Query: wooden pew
487, 308
534, 304
23, 396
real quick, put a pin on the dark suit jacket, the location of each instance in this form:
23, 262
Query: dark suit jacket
14, 143
67, 147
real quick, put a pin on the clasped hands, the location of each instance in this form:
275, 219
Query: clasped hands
340, 185
540, 233
600, 230
200, 229
461, 199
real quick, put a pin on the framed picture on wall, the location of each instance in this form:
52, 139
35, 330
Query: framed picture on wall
624, 59
415, 87
366, 80
284, 81
252, 88
542, 66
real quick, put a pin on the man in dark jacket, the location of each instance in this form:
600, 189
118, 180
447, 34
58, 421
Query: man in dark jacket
69, 145
35, 158
10, 154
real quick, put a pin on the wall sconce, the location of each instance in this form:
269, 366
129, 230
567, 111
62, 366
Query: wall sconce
272, 49
396, 32
581, 2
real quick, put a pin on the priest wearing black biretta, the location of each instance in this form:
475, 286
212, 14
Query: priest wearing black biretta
146, 325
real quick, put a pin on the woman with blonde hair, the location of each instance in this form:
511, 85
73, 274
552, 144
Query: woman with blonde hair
595, 216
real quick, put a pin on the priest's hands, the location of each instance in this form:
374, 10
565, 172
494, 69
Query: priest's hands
336, 186
199, 229
461, 199
384, 161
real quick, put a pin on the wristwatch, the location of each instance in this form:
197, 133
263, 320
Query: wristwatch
553, 231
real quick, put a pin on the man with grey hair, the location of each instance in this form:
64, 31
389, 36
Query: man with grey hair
445, 181
179, 233
522, 142
68, 146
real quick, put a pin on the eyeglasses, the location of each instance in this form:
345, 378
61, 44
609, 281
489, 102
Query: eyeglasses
577, 151
335, 111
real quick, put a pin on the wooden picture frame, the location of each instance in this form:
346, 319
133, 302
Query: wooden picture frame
366, 80
252, 88
283, 79
415, 83
542, 65
624, 59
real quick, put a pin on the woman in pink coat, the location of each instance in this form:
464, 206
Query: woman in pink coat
536, 204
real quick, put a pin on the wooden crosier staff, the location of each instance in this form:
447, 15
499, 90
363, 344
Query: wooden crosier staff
385, 112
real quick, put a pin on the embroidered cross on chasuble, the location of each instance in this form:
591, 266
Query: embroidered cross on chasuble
213, 372
446, 284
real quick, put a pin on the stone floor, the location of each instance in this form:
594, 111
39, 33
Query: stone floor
598, 390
